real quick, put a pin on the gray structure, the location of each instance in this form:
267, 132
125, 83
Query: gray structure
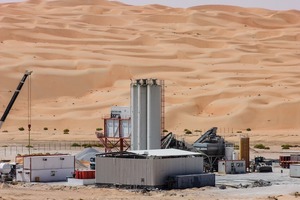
150, 168
192, 180
232, 166
295, 170
145, 114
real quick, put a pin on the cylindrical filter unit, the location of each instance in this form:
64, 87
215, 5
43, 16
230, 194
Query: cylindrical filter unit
153, 115
229, 153
142, 115
235, 155
244, 150
134, 113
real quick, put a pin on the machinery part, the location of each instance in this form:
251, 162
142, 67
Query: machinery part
260, 164
169, 141
14, 97
212, 146
5, 168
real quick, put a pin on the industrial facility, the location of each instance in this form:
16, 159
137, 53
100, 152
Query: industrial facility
138, 155
149, 168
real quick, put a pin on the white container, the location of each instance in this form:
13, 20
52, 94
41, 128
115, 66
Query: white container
295, 170
235, 155
229, 153
5, 168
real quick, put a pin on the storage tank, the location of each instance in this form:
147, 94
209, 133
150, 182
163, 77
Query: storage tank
229, 152
142, 115
153, 114
235, 155
5, 168
134, 113
145, 114
244, 150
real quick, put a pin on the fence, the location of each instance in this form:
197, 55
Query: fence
36, 147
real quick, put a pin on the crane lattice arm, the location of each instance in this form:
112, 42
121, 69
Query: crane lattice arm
14, 97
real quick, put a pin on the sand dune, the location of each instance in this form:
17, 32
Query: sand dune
224, 66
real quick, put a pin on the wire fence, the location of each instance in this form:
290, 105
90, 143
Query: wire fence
12, 150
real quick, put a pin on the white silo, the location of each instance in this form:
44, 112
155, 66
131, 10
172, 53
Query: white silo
145, 114
134, 114
142, 115
153, 114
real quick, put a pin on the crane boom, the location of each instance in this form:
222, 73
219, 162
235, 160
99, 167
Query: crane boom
14, 97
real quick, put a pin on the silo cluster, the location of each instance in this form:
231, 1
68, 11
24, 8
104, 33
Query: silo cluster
145, 114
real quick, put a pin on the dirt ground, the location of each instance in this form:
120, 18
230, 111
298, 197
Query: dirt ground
239, 186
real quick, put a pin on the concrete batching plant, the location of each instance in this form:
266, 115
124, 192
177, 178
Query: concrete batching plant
146, 114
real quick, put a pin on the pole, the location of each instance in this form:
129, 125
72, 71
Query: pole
29, 114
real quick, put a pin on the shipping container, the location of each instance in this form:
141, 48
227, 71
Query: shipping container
46, 168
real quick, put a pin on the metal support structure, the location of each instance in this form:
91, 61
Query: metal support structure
116, 143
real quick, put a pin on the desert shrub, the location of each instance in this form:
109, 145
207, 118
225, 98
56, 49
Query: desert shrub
236, 147
87, 145
5, 131
21, 129
75, 145
165, 131
99, 129
187, 131
286, 146
197, 130
29, 146
248, 129
261, 146
45, 128
239, 132
66, 131
4, 146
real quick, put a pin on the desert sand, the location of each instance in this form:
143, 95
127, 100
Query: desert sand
224, 66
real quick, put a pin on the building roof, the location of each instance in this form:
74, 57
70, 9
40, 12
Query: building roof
144, 154
164, 152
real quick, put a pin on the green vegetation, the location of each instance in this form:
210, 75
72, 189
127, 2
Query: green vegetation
165, 131
45, 128
29, 146
66, 131
236, 147
248, 129
287, 146
99, 129
261, 146
187, 131
21, 129
75, 145
239, 132
87, 145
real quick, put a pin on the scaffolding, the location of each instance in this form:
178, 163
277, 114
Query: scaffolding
114, 137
